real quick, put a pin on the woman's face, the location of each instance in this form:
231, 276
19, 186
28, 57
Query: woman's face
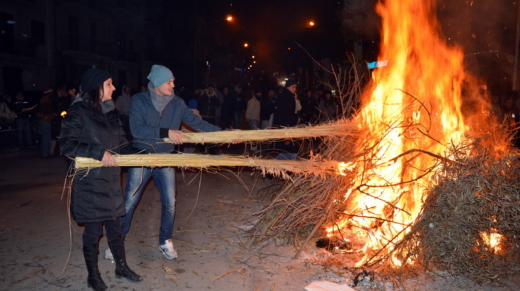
108, 89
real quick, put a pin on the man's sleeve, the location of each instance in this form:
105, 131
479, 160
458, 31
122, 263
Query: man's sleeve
138, 125
196, 122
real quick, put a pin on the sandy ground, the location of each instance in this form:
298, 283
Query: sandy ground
212, 211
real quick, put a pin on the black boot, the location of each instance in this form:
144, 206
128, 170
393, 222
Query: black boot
94, 280
122, 270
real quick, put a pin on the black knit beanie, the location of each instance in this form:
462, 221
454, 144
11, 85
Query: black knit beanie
92, 78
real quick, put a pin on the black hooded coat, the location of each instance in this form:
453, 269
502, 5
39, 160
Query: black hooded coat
96, 193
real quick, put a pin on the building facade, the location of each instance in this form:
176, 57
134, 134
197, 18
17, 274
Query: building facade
49, 43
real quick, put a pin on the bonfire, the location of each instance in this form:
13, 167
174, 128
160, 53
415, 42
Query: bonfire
430, 180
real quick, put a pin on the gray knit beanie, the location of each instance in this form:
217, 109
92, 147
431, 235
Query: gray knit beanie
160, 75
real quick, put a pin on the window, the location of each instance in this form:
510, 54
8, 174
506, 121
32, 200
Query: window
93, 38
73, 33
120, 43
38, 32
6, 33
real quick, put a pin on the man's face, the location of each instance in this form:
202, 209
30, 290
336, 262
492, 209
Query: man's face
226, 90
271, 93
292, 88
19, 95
165, 89
238, 89
127, 90
258, 94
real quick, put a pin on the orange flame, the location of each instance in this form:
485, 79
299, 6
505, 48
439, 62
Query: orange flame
413, 107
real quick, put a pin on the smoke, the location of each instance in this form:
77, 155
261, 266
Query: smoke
486, 30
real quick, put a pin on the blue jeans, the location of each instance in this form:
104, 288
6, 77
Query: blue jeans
164, 178
286, 156
238, 119
23, 126
45, 129
254, 124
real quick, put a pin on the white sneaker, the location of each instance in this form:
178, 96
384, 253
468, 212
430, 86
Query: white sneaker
108, 254
168, 251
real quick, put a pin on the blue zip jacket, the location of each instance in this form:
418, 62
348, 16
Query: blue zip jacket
149, 127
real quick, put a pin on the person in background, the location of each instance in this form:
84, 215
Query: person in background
253, 110
207, 104
73, 93
123, 106
7, 126
190, 148
298, 108
45, 113
267, 109
309, 111
285, 116
218, 109
328, 107
6, 115
227, 111
61, 103
23, 108
91, 129
239, 105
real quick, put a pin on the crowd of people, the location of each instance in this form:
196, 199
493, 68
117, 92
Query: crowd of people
89, 122
228, 106
24, 122
36, 122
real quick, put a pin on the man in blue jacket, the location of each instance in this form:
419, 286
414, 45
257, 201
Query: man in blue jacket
155, 114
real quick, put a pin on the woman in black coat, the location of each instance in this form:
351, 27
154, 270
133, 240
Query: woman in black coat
91, 129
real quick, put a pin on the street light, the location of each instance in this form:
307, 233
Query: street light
246, 44
228, 18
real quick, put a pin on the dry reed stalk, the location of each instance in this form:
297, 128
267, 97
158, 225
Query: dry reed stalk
338, 128
319, 168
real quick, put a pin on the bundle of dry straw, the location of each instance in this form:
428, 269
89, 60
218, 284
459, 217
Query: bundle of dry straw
307, 167
339, 128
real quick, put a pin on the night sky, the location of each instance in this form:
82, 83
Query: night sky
485, 29
270, 28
